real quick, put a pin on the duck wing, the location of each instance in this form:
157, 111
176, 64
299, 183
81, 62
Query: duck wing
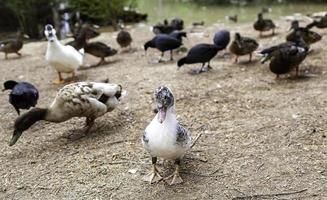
86, 99
183, 137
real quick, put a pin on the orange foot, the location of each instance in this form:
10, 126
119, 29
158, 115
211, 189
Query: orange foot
58, 82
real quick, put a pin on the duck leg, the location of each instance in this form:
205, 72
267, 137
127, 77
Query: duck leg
60, 79
297, 71
236, 59
250, 58
88, 125
201, 69
19, 54
154, 175
161, 57
102, 61
273, 32
171, 55
208, 66
175, 177
6, 56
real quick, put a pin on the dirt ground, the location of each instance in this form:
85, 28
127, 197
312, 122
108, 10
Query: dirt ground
259, 136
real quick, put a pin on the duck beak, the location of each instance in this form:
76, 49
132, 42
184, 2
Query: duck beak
161, 115
15, 137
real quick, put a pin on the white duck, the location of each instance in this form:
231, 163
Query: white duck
64, 59
165, 137
81, 99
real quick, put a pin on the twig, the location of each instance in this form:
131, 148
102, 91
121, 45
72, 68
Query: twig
118, 163
203, 175
120, 141
196, 139
268, 195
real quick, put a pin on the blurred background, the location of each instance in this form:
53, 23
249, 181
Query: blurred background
30, 16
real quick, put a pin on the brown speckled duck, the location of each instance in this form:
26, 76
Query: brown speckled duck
13, 45
286, 56
263, 25
82, 99
243, 46
100, 50
124, 38
308, 36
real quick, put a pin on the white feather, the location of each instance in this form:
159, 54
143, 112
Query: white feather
162, 138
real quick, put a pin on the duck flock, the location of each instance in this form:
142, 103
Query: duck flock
165, 137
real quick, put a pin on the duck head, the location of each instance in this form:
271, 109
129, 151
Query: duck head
238, 39
294, 25
9, 85
25, 121
164, 100
148, 44
50, 32
260, 16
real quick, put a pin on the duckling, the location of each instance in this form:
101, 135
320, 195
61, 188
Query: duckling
308, 36
200, 53
284, 58
262, 25
165, 137
23, 95
81, 99
124, 38
163, 43
242, 46
233, 18
99, 49
221, 39
13, 45
64, 59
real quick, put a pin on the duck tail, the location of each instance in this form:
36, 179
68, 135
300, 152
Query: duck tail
181, 62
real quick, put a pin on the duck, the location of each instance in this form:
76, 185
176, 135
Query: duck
124, 38
163, 43
23, 95
243, 46
177, 24
64, 59
262, 25
81, 99
222, 38
85, 33
178, 35
285, 57
200, 53
233, 18
13, 45
308, 36
165, 137
201, 23
322, 23
92, 30
163, 28
99, 49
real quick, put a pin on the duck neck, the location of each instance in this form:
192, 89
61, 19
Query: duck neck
54, 116
55, 44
